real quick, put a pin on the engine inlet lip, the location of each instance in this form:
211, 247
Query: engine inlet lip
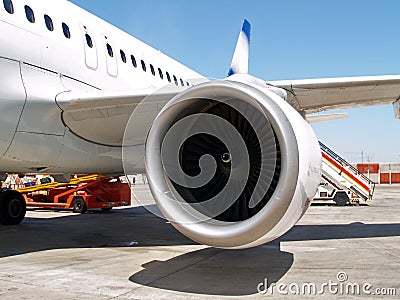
237, 233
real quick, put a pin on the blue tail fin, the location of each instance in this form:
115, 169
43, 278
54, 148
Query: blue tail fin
240, 60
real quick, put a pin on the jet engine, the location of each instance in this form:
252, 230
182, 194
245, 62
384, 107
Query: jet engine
231, 164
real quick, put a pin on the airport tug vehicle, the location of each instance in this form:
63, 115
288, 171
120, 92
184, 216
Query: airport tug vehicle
80, 194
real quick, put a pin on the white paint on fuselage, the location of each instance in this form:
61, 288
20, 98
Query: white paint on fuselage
37, 64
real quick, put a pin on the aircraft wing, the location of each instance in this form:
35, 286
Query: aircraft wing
314, 95
101, 116
315, 118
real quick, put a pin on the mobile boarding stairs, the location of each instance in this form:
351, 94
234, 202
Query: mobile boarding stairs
342, 182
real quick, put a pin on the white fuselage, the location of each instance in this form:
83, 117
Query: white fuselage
37, 64
56, 59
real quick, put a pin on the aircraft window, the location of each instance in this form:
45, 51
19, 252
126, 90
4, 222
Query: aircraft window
160, 73
66, 31
110, 50
133, 59
168, 77
89, 41
175, 80
143, 65
182, 83
8, 5
49, 23
29, 14
187, 83
123, 56
152, 70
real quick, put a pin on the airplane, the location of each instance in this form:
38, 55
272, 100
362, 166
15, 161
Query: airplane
231, 163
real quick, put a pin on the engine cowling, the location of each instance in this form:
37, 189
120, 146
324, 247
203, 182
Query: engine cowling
231, 164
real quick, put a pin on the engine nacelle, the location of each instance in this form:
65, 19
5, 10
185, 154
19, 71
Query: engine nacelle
232, 164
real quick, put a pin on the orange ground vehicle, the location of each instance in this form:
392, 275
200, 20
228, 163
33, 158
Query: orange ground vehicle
80, 194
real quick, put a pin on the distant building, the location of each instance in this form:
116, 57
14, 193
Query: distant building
381, 172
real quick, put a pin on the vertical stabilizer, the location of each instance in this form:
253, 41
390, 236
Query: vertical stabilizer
240, 60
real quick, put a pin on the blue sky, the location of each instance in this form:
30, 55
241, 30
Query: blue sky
290, 40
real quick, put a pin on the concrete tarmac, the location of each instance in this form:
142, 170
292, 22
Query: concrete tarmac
334, 252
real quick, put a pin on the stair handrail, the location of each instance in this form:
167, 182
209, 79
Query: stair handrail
337, 157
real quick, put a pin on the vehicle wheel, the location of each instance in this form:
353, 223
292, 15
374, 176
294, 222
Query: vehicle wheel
12, 208
106, 208
341, 199
79, 206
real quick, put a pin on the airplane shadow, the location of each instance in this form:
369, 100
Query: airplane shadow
239, 272
95, 229
206, 271
217, 272
340, 231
